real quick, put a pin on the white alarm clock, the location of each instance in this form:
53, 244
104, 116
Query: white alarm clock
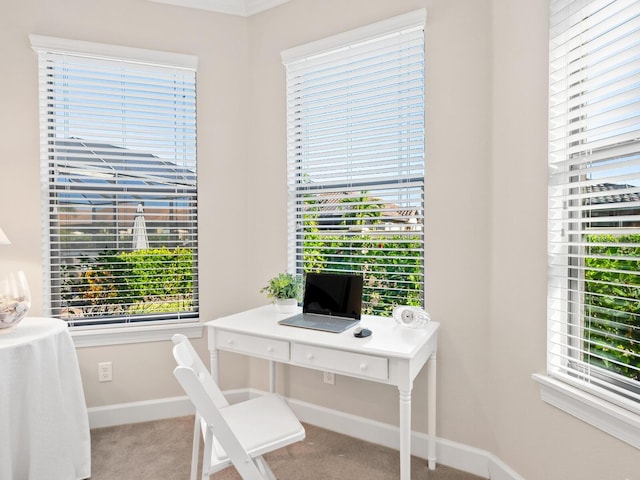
410, 316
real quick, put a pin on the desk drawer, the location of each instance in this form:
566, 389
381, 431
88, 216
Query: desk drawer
254, 346
349, 363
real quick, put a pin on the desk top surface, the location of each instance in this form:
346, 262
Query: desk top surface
388, 337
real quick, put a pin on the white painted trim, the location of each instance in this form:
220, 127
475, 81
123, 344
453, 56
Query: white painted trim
610, 418
452, 454
119, 52
139, 334
498, 470
257, 6
136, 412
220, 6
242, 8
401, 22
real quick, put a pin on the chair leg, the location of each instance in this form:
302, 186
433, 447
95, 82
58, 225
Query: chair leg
206, 453
195, 449
264, 468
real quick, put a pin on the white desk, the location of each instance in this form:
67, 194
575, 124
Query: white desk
393, 355
44, 426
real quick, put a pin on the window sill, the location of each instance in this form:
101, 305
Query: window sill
138, 334
616, 421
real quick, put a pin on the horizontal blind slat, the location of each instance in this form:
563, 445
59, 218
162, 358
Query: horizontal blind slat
355, 134
118, 147
594, 197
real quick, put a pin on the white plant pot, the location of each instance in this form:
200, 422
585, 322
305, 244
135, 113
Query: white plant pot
287, 305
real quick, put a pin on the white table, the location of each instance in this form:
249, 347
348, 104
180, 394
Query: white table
393, 355
44, 426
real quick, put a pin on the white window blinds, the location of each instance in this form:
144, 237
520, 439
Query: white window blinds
594, 198
355, 116
118, 171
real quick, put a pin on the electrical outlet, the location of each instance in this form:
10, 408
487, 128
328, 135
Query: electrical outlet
330, 378
105, 372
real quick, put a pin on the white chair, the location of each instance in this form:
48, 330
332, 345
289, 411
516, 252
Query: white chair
236, 434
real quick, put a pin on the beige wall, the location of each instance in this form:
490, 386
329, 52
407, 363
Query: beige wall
457, 100
486, 206
529, 433
221, 44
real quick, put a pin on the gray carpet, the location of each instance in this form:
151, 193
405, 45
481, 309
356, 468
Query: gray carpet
161, 450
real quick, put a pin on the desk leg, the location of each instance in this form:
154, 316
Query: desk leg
431, 411
405, 434
272, 376
213, 362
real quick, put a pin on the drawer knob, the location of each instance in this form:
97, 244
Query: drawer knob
309, 356
363, 366
269, 349
230, 342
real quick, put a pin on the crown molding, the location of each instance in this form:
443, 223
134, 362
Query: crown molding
242, 8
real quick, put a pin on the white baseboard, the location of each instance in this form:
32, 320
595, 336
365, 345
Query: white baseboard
452, 454
499, 471
136, 412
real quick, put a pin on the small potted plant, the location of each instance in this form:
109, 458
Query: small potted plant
284, 288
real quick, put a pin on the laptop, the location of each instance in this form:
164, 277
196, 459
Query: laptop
332, 302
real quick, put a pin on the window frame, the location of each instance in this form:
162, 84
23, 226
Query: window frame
326, 195
147, 330
568, 384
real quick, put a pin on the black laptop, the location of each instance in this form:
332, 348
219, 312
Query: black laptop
332, 302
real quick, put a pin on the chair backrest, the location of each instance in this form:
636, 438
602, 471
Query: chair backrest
205, 395
186, 356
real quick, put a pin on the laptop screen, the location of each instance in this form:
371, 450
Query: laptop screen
333, 294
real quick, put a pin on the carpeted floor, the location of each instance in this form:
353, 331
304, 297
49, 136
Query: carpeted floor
161, 450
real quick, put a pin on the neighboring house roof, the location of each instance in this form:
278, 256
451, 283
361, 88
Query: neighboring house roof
92, 169
613, 193
332, 205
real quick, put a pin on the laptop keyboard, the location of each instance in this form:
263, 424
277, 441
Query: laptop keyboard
326, 320
319, 322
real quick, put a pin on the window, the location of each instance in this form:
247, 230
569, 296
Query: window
355, 115
118, 176
594, 207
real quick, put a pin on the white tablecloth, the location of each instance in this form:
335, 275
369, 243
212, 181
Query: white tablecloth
44, 426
